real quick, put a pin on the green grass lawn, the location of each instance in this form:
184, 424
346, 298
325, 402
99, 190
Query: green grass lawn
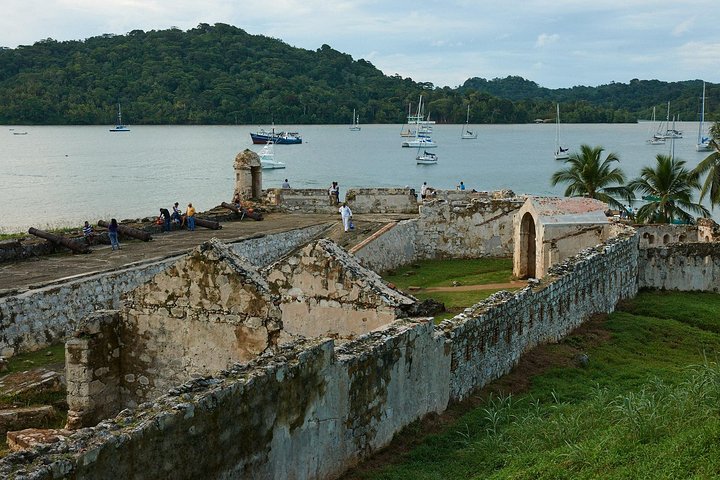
647, 405
442, 273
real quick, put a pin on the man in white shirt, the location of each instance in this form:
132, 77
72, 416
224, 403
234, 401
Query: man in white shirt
346, 215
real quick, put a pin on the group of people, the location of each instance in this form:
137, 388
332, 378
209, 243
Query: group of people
178, 217
334, 193
89, 233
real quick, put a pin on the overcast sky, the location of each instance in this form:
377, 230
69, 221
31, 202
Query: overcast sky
556, 43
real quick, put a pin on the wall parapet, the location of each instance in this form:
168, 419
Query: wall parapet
682, 267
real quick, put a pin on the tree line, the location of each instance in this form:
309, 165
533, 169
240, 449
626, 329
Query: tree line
220, 74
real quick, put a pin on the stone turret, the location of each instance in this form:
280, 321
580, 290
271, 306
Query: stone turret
248, 175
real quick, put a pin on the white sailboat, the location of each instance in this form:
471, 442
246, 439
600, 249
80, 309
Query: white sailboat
356, 120
426, 158
703, 141
655, 139
422, 137
467, 134
119, 127
669, 132
561, 153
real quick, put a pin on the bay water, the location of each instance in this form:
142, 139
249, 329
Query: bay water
56, 176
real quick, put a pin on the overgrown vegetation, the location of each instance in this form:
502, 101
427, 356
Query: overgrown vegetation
220, 74
646, 405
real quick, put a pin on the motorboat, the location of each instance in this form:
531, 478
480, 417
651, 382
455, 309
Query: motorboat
267, 157
262, 137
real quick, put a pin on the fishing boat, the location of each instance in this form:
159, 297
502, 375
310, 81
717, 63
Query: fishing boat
467, 134
560, 152
426, 158
703, 142
261, 137
267, 157
119, 126
355, 127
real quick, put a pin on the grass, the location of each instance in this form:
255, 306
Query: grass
39, 358
442, 273
647, 405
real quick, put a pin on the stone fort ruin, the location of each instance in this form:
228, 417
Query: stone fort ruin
287, 357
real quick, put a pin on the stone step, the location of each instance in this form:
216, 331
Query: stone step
28, 438
26, 417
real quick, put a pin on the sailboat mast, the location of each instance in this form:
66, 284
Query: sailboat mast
702, 117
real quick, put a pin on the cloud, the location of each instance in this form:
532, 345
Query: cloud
544, 40
683, 27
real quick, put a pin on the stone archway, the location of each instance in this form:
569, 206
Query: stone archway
528, 247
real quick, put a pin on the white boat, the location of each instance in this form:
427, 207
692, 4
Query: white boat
267, 157
468, 134
119, 127
417, 124
655, 139
421, 138
356, 120
426, 158
703, 141
561, 153
668, 132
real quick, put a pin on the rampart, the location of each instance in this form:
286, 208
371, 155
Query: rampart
47, 314
315, 408
360, 200
681, 266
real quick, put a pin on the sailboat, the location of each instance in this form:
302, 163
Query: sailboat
560, 152
655, 139
703, 142
669, 132
119, 127
356, 120
422, 138
426, 158
467, 134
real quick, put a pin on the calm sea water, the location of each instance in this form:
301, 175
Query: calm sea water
61, 176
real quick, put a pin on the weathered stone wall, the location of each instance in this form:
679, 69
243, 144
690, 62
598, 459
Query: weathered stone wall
92, 370
684, 267
324, 291
42, 316
391, 247
302, 200
658, 235
488, 339
382, 200
314, 409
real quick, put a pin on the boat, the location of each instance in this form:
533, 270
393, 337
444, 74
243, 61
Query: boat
560, 152
262, 137
467, 134
355, 127
119, 127
426, 158
417, 124
669, 132
267, 157
655, 139
703, 142
19, 133
421, 138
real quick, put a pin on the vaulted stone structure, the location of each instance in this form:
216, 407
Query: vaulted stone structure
248, 175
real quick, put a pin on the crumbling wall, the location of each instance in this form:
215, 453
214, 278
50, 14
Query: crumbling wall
302, 200
391, 247
311, 410
324, 291
684, 267
652, 236
92, 370
45, 315
382, 200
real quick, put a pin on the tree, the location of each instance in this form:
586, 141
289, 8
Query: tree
668, 189
589, 176
710, 167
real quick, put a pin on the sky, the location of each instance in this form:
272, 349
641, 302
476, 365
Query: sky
556, 43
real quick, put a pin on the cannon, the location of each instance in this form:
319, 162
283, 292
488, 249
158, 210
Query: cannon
129, 231
76, 247
211, 224
242, 211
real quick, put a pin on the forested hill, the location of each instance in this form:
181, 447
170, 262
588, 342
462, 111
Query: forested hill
222, 75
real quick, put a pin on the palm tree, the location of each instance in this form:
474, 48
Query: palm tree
668, 188
710, 167
589, 176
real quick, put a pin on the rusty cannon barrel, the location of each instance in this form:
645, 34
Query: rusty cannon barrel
231, 206
211, 224
129, 231
76, 247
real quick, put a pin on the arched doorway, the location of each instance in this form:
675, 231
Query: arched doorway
527, 246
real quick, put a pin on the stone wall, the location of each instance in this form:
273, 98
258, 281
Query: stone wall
360, 200
657, 235
684, 267
313, 409
391, 247
45, 315
92, 370
302, 200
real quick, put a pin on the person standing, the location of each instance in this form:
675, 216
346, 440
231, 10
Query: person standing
346, 215
334, 193
423, 190
190, 215
165, 215
113, 234
176, 215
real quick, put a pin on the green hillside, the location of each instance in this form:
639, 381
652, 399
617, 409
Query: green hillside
220, 74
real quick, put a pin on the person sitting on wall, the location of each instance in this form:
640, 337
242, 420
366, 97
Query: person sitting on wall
286, 184
176, 215
88, 232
